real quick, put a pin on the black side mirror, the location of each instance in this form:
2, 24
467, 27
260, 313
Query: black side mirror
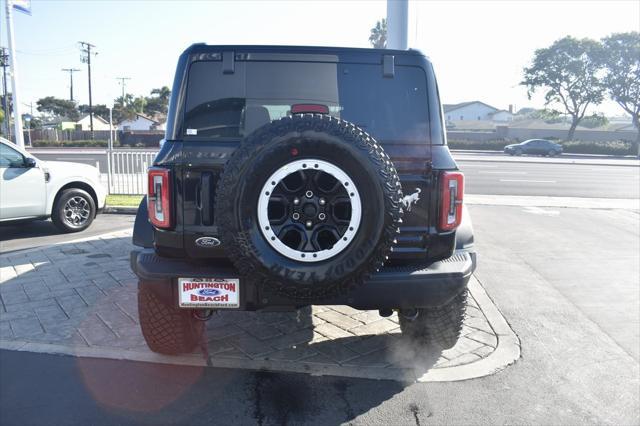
29, 162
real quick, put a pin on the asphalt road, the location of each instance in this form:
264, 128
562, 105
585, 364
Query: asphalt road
24, 235
548, 179
565, 279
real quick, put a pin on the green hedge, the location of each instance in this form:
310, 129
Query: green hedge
492, 145
71, 144
604, 148
570, 147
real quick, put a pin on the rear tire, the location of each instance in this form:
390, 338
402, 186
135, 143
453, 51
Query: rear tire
166, 328
440, 326
73, 211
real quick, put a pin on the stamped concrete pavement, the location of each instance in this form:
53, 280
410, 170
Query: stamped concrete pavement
80, 299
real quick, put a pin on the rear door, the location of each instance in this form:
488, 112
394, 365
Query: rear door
222, 107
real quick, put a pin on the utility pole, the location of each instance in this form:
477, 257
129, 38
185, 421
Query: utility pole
85, 48
123, 83
17, 122
4, 62
70, 71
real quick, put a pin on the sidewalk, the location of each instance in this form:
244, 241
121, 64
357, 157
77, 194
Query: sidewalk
80, 299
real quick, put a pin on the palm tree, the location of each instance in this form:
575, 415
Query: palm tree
378, 37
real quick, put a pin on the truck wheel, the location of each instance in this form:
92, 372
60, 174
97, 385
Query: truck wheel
166, 328
440, 326
73, 211
309, 205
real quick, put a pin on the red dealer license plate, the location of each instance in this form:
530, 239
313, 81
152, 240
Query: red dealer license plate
209, 292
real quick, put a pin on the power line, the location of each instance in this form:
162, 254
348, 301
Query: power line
45, 53
123, 83
70, 71
85, 49
69, 48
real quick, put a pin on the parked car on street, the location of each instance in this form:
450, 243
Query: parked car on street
71, 194
534, 147
296, 176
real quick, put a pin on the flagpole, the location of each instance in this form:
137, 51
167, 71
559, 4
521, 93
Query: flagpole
17, 121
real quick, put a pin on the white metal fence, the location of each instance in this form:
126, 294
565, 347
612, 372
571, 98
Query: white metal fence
127, 171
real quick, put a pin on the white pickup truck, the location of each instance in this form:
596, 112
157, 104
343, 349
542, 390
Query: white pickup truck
71, 194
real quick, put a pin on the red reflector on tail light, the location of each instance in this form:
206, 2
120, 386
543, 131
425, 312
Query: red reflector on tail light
451, 195
159, 197
309, 108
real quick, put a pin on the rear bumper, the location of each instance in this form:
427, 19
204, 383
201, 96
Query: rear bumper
392, 287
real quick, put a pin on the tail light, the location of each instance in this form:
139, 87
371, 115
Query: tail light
159, 197
451, 194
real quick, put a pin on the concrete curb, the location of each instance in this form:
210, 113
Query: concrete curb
506, 353
565, 155
558, 202
575, 163
119, 210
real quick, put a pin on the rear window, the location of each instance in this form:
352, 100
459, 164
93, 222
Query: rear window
222, 105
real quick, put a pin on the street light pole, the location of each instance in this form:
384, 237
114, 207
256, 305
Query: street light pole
14, 75
397, 24
110, 147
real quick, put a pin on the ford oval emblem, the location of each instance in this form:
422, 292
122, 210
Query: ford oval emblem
208, 242
208, 292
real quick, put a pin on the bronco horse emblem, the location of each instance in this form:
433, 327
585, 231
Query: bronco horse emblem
411, 199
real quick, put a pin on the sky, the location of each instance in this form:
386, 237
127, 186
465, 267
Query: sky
478, 48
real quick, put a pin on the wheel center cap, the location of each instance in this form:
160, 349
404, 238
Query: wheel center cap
309, 210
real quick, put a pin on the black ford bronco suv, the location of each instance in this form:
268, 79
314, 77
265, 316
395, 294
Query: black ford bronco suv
296, 176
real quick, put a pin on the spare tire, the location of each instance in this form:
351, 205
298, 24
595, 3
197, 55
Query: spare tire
308, 205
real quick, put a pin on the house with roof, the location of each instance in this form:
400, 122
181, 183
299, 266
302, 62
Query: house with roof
140, 122
476, 111
99, 123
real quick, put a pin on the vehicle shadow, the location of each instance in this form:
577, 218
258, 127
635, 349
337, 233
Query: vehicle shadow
27, 229
82, 295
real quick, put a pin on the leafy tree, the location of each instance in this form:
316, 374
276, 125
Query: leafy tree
378, 37
525, 111
158, 102
621, 61
139, 104
34, 123
568, 72
595, 120
58, 108
124, 108
549, 116
100, 110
